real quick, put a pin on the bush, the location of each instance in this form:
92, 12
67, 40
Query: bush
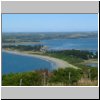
28, 79
94, 73
62, 75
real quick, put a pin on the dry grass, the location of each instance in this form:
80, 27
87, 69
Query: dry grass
87, 82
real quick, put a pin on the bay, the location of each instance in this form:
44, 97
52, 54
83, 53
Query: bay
13, 63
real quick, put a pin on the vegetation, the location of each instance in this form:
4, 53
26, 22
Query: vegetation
94, 73
28, 79
24, 48
72, 53
64, 77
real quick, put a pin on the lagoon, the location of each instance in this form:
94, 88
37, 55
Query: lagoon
78, 43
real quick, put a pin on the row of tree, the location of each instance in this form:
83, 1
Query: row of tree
23, 47
75, 53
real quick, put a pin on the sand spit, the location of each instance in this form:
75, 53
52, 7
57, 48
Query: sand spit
57, 62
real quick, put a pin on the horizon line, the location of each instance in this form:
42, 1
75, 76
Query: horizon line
51, 32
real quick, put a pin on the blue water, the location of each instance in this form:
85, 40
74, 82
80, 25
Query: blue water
63, 44
19, 63
92, 64
80, 43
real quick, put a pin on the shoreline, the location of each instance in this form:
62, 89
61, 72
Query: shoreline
55, 62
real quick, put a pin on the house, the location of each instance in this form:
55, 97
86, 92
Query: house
44, 49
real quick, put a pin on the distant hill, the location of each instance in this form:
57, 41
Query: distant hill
37, 36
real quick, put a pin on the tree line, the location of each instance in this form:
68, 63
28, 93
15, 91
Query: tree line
23, 47
83, 54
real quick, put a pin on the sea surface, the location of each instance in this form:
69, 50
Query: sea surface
13, 63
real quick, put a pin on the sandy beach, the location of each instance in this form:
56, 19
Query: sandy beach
57, 62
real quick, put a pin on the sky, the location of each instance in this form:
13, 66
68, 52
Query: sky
49, 22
